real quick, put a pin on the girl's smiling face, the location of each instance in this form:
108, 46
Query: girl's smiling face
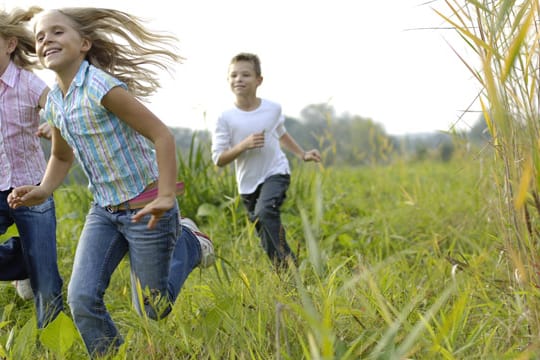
59, 46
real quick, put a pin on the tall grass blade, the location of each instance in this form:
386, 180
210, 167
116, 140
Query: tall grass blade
516, 45
416, 331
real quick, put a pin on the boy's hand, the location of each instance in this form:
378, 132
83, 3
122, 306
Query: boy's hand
254, 141
312, 155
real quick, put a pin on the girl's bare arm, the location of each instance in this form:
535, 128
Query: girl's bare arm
141, 119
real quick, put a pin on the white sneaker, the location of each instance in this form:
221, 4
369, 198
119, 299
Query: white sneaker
207, 248
24, 289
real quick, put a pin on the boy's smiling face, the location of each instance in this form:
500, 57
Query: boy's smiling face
243, 79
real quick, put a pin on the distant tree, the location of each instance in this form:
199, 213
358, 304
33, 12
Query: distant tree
304, 135
446, 151
188, 139
317, 119
361, 141
439, 146
343, 140
346, 139
479, 133
318, 116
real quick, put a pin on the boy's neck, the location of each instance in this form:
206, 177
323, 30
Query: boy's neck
247, 104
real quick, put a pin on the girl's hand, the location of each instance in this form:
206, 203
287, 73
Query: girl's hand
156, 208
27, 196
312, 155
44, 131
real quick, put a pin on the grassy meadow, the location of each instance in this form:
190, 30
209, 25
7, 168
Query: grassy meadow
412, 260
396, 262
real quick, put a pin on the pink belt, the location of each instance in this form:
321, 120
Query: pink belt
143, 198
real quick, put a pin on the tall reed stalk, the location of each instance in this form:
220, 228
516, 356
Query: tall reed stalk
504, 35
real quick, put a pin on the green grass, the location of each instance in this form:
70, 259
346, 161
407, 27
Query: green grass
377, 248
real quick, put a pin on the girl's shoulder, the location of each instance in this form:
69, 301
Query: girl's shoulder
96, 74
100, 82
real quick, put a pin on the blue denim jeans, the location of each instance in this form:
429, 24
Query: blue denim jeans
32, 254
263, 207
160, 262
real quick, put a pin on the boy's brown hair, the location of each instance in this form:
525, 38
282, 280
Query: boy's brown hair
252, 58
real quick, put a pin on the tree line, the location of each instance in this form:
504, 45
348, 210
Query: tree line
352, 140
345, 140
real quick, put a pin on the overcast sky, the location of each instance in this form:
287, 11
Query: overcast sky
390, 61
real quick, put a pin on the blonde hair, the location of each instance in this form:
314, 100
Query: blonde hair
123, 47
15, 24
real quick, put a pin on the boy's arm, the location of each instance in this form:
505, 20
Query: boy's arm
253, 141
228, 156
291, 145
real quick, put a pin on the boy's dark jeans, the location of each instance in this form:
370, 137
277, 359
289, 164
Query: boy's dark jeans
263, 207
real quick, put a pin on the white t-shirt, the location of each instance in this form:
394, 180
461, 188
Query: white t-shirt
252, 166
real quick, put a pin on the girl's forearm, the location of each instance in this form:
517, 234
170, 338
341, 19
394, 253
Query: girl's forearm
57, 170
167, 166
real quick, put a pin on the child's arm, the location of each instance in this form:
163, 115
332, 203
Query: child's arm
57, 169
44, 129
59, 164
291, 145
141, 119
253, 141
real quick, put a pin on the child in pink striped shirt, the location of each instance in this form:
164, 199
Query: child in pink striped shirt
30, 257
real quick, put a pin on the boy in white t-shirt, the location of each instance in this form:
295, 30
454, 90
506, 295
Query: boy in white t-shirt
251, 134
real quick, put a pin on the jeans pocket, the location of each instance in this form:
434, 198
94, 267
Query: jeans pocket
44, 207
